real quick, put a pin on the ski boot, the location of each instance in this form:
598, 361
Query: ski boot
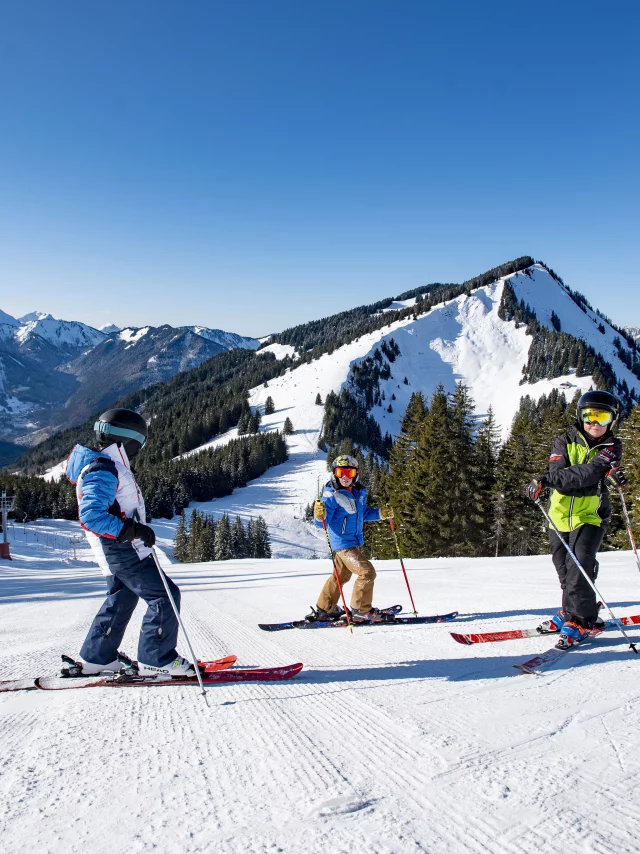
319, 615
373, 615
571, 635
179, 668
549, 627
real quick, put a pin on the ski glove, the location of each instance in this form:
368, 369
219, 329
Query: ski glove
616, 477
386, 512
132, 530
319, 511
536, 486
609, 456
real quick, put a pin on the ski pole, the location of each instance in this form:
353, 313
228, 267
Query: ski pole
584, 572
337, 575
625, 513
406, 578
179, 618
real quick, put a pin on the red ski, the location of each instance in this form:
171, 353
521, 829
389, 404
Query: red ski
28, 684
514, 634
258, 674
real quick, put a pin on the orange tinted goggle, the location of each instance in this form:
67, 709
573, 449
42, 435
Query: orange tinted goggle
597, 416
340, 471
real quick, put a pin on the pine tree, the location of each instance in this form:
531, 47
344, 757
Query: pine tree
262, 543
269, 406
287, 428
195, 529
463, 499
491, 504
429, 526
223, 539
207, 539
630, 434
181, 542
318, 399
239, 545
522, 532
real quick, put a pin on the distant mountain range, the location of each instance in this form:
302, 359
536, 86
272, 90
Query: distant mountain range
634, 331
55, 373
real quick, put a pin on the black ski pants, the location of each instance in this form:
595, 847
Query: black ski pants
579, 601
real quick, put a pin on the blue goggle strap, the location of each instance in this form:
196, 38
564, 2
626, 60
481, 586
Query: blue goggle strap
122, 432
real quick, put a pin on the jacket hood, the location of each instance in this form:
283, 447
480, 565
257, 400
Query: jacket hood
78, 459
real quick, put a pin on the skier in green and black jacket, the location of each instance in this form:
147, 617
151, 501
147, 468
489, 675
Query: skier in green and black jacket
584, 463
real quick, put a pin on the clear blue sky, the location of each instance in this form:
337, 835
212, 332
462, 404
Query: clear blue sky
258, 163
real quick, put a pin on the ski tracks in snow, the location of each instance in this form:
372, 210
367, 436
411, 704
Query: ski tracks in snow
389, 741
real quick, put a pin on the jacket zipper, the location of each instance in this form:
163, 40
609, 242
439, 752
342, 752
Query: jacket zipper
589, 450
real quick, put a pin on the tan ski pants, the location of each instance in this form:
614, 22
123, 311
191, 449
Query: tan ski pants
350, 562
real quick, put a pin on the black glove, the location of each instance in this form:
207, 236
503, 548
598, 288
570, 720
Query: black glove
608, 456
536, 486
616, 477
132, 530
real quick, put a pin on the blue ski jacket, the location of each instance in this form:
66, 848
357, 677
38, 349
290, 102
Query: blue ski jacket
347, 512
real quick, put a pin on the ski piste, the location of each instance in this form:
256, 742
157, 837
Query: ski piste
257, 674
340, 624
515, 634
27, 684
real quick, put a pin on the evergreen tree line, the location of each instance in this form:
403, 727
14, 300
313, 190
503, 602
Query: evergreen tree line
168, 488
183, 413
36, 498
364, 378
348, 418
212, 473
206, 538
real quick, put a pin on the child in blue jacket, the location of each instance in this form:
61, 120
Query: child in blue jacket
343, 508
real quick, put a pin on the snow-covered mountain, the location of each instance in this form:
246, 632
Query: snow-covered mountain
54, 373
634, 331
131, 359
7, 319
464, 339
108, 328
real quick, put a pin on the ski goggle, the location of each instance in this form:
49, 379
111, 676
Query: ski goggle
597, 416
120, 432
342, 471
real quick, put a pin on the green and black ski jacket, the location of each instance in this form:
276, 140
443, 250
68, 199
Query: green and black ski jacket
579, 495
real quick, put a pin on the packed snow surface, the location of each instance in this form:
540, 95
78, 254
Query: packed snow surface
280, 351
391, 740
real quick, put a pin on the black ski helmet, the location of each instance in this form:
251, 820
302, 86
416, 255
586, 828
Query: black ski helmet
122, 426
599, 400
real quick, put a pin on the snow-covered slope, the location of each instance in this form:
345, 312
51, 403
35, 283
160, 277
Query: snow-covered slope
390, 741
634, 331
7, 319
227, 340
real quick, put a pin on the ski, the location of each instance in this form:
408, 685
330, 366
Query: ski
546, 659
515, 634
30, 684
294, 624
258, 674
341, 624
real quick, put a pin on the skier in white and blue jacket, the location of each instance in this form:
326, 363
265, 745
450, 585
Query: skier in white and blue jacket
343, 510
112, 512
